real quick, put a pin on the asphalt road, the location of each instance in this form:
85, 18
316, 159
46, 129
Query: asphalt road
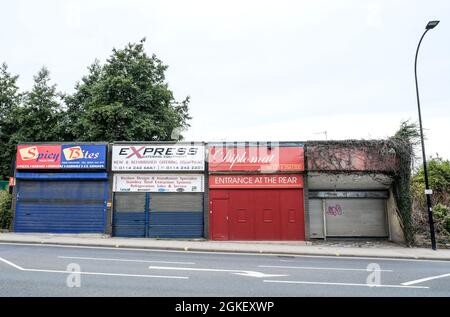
40, 270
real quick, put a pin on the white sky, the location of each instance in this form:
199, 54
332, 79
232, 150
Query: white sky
257, 70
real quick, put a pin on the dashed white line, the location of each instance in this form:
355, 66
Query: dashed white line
426, 279
319, 268
121, 260
343, 284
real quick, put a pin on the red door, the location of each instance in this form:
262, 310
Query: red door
218, 211
256, 214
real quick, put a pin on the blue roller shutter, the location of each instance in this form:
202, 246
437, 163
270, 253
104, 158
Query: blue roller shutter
54, 205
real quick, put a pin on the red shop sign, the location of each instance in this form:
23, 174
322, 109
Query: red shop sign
256, 181
262, 159
38, 156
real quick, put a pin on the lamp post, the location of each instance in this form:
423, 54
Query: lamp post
428, 191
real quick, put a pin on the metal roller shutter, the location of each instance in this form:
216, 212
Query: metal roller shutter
176, 215
61, 206
130, 217
356, 218
315, 218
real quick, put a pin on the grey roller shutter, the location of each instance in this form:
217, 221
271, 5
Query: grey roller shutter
315, 218
129, 202
356, 217
184, 202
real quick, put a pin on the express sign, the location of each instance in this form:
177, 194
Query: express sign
256, 158
61, 157
158, 157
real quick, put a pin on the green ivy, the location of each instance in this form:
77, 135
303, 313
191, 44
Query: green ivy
5, 209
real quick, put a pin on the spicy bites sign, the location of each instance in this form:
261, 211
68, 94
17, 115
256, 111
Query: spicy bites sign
155, 157
256, 159
61, 157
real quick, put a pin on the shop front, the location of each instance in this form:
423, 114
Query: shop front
60, 188
158, 190
256, 191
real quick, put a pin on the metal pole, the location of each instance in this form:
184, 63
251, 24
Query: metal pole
427, 187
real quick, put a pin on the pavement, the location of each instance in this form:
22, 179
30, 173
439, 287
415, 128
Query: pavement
367, 249
74, 271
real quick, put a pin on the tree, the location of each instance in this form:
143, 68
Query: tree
439, 180
39, 118
9, 101
125, 99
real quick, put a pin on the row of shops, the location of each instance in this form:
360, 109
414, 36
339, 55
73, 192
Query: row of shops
219, 191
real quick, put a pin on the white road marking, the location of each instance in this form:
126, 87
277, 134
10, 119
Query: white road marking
121, 260
42, 244
238, 272
342, 284
12, 264
426, 279
89, 273
318, 268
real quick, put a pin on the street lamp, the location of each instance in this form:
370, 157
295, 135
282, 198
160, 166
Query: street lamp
428, 191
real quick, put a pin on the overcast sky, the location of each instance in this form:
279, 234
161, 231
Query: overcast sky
257, 70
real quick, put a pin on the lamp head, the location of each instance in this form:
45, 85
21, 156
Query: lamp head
431, 25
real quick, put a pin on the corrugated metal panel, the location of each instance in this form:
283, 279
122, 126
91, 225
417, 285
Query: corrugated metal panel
349, 194
164, 215
130, 214
129, 202
176, 224
60, 206
315, 218
129, 224
61, 176
184, 202
356, 217
176, 215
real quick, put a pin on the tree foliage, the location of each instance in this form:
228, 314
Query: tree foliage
10, 98
38, 117
439, 181
125, 99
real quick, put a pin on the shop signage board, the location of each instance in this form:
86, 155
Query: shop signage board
158, 183
155, 157
69, 156
256, 159
256, 181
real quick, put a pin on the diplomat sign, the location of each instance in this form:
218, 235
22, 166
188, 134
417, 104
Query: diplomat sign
155, 157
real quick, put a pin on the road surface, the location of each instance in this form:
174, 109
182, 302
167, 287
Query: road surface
41, 270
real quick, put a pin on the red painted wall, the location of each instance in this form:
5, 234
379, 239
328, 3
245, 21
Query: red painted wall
256, 214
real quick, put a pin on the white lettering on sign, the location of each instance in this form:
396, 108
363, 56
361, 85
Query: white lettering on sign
158, 183
243, 157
